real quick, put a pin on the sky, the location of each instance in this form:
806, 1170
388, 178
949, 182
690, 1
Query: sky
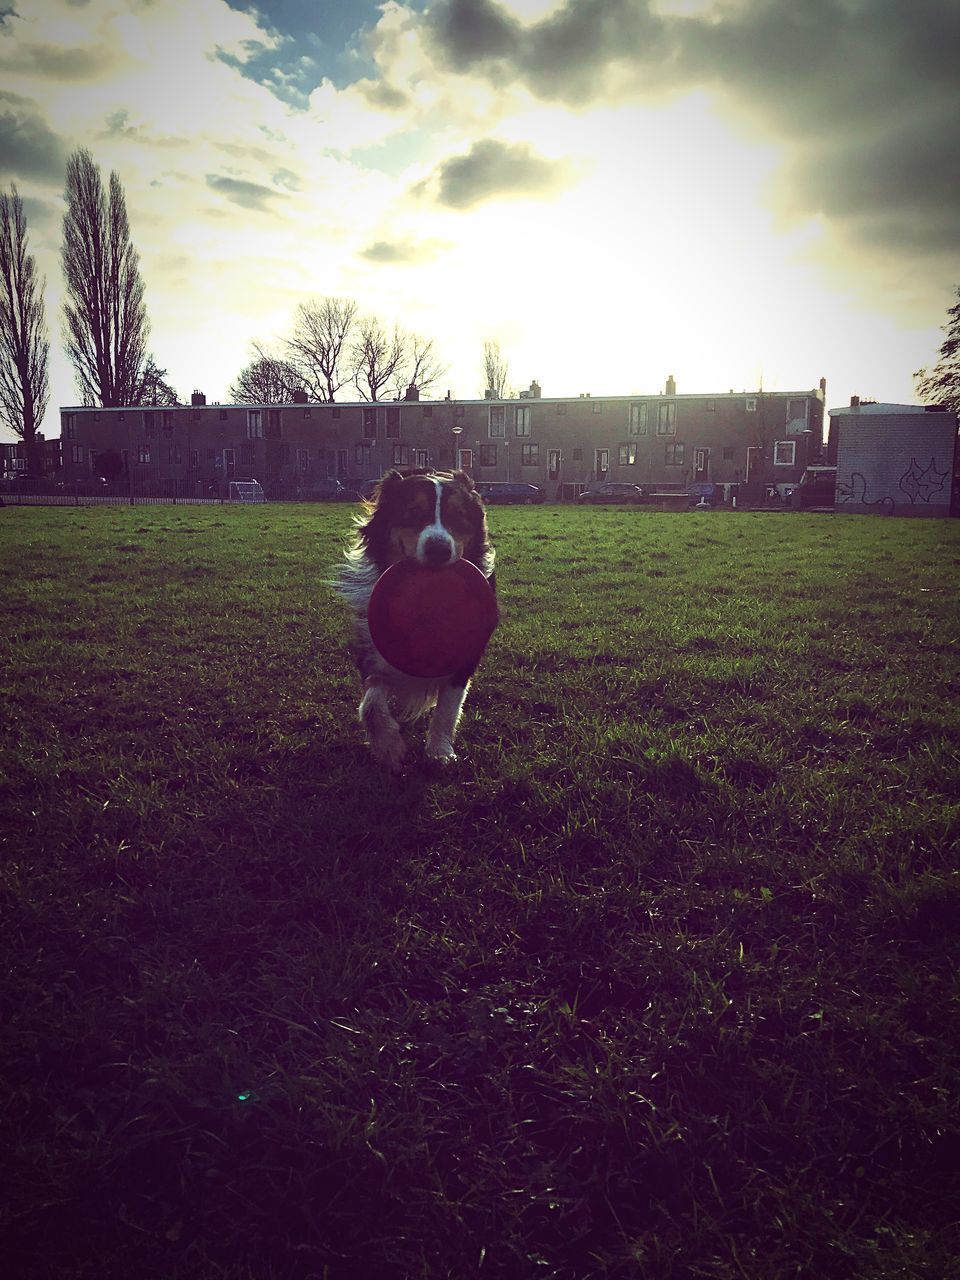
740, 193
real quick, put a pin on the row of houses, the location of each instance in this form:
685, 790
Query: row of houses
663, 441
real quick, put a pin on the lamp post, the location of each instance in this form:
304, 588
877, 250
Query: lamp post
456, 447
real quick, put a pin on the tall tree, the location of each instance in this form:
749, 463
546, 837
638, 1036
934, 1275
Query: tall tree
24, 344
105, 317
266, 380
494, 368
378, 358
317, 345
941, 384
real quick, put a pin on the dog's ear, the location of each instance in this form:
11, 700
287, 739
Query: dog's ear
385, 487
465, 481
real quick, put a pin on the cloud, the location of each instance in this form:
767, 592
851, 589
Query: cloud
863, 97
402, 252
249, 195
28, 147
495, 170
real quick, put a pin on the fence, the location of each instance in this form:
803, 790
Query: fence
106, 500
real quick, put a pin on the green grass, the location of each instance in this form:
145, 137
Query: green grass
660, 981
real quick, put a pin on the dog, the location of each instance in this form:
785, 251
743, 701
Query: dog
434, 518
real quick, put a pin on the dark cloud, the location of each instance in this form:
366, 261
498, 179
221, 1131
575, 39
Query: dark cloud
382, 95
401, 252
491, 170
51, 63
864, 94
28, 147
249, 195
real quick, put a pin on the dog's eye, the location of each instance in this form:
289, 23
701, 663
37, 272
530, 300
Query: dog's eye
412, 515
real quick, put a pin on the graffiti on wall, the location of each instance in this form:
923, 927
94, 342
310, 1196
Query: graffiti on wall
920, 484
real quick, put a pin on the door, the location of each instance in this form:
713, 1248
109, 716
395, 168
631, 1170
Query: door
701, 464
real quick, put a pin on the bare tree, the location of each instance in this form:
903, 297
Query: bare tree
941, 384
105, 318
24, 344
494, 368
378, 358
154, 388
316, 346
423, 367
266, 380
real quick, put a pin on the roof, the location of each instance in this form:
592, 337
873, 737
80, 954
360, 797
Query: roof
862, 410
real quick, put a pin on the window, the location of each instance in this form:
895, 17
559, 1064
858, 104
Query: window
148, 418
167, 420
76, 454
711, 406
553, 461
673, 456
246, 454
341, 462
667, 418
194, 459
750, 404
522, 421
598, 406
254, 424
273, 424
638, 419
578, 455
393, 423
420, 458
143, 453
303, 459
497, 422
627, 455
370, 424
69, 426
530, 455
361, 456
174, 456
401, 455
488, 455
785, 453
728, 453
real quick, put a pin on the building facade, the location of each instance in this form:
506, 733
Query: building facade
894, 459
663, 442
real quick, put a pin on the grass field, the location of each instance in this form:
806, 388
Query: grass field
659, 981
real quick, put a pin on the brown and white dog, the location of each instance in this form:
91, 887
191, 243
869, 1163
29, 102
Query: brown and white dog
435, 518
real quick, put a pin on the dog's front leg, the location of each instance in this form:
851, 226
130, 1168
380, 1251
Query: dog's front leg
383, 732
443, 724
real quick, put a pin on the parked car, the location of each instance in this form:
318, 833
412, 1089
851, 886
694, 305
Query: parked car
611, 491
22, 482
817, 488
705, 493
327, 490
496, 491
91, 488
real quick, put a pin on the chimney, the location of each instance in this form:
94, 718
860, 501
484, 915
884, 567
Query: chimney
534, 390
671, 386
490, 394
823, 387
299, 395
198, 398
854, 402
412, 392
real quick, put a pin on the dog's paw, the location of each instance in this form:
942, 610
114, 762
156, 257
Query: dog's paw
389, 751
441, 752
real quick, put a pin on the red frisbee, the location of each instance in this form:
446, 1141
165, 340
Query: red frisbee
431, 622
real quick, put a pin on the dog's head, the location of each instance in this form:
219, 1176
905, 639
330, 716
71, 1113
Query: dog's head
432, 517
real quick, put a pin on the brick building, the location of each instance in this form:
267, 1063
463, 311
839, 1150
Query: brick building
664, 441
